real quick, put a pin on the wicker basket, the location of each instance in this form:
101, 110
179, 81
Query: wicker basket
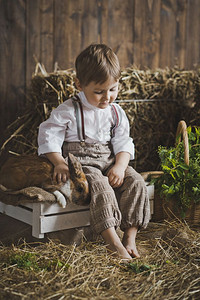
167, 209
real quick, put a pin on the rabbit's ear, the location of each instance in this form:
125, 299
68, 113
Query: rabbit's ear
75, 168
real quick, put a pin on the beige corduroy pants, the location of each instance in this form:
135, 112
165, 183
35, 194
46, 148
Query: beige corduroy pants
125, 206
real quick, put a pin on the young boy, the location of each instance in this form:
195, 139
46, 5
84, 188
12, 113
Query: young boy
98, 134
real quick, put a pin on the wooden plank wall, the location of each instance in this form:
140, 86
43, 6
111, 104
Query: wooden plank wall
146, 33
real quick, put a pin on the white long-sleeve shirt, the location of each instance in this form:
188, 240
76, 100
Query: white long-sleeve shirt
61, 126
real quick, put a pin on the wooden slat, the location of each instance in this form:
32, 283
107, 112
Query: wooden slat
150, 190
116, 28
192, 56
168, 22
180, 39
151, 207
67, 32
33, 37
173, 17
147, 33
89, 25
17, 213
61, 222
17, 50
47, 208
36, 221
4, 84
62, 32
12, 54
47, 34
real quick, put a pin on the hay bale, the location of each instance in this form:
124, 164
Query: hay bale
158, 99
168, 83
152, 123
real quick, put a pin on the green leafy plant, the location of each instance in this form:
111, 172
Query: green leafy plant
180, 181
25, 260
32, 262
139, 267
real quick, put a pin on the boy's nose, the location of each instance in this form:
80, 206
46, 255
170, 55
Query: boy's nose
107, 95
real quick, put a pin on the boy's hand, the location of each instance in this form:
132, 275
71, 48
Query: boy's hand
117, 172
61, 170
61, 173
116, 176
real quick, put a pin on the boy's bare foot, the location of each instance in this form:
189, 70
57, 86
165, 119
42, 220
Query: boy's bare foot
131, 249
120, 251
129, 241
114, 244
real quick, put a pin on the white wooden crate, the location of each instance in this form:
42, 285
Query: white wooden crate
45, 217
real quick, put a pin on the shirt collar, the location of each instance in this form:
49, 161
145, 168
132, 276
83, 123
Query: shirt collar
85, 102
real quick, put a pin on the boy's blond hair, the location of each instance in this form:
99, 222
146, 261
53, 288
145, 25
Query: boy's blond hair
97, 63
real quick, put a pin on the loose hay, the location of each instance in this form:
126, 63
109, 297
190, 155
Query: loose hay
168, 269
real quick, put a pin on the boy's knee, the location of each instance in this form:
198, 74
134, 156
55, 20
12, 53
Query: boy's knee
133, 176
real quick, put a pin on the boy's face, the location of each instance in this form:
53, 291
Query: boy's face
100, 95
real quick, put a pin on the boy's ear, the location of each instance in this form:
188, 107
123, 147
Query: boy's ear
77, 84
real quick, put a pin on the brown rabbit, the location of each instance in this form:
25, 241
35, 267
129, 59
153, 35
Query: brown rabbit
23, 171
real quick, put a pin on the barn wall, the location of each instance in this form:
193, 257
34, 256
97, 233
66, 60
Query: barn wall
144, 33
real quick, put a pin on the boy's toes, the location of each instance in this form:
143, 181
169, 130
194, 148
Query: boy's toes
126, 260
133, 253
